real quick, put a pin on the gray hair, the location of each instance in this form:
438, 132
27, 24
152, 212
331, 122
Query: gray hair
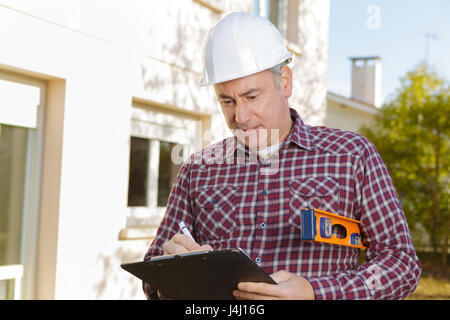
277, 71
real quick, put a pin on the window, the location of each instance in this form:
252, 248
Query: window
160, 140
279, 15
21, 115
13, 149
282, 13
139, 188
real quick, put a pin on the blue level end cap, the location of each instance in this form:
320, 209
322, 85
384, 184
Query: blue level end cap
308, 224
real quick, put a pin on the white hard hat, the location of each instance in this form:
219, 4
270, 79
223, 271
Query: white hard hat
239, 45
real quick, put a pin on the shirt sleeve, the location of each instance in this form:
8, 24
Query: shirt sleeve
178, 209
392, 269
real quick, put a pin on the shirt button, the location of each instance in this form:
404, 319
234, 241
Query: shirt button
262, 225
264, 192
258, 260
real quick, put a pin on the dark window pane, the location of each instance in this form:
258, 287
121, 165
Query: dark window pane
167, 171
139, 162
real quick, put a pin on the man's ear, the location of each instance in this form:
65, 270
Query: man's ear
286, 81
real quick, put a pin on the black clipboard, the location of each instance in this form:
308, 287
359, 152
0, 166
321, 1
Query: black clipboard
204, 275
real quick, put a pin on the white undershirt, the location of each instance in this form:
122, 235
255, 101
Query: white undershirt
269, 151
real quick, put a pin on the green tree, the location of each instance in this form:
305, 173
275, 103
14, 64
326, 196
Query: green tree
411, 132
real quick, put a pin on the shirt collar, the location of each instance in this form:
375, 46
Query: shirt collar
299, 133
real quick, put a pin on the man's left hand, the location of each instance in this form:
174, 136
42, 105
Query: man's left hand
289, 287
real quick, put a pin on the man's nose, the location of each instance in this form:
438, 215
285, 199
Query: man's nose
242, 113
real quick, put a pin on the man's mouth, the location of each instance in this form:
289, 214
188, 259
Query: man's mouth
249, 129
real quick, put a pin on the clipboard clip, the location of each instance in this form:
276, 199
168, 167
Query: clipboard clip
177, 256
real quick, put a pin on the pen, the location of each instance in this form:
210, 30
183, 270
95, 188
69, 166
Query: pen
185, 230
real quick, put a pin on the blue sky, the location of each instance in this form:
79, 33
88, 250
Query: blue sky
394, 30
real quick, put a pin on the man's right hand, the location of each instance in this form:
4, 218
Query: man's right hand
181, 243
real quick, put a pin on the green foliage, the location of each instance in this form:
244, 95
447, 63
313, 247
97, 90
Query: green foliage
411, 133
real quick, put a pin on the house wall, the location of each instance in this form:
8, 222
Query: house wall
345, 117
96, 58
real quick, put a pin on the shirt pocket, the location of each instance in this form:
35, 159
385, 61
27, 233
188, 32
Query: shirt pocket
318, 193
215, 211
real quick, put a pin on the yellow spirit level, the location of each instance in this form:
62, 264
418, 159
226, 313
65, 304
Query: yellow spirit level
318, 225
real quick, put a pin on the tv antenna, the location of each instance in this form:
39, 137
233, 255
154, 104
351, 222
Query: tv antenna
428, 36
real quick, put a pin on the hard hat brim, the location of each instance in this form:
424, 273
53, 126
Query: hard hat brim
288, 56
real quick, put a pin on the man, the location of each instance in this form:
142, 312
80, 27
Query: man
229, 199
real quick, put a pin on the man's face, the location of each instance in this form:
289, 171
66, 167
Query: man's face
255, 109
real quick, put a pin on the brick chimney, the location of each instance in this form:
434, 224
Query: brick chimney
366, 79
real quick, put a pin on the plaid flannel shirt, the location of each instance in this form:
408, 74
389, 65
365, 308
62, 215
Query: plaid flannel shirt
229, 201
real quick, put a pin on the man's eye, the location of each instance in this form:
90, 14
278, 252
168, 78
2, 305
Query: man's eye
227, 101
251, 97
